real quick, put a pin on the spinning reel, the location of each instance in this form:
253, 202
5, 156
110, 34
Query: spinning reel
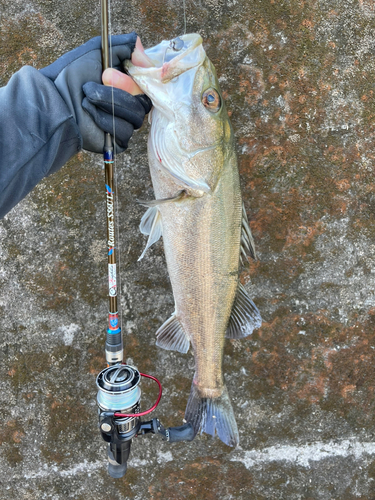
119, 391
119, 415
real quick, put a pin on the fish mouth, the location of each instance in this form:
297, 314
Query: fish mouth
170, 58
171, 52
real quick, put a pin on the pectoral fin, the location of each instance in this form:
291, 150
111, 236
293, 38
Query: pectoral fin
151, 225
171, 336
162, 201
245, 316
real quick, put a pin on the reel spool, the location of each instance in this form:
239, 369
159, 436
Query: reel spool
119, 389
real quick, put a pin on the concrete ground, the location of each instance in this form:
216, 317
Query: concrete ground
298, 81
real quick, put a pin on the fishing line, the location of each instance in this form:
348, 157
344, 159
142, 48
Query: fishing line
184, 4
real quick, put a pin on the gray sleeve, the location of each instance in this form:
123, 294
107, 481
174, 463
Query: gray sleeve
38, 134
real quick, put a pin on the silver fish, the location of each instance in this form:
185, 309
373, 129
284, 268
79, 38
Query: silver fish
199, 212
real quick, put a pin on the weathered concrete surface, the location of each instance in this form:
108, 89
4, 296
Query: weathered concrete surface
298, 80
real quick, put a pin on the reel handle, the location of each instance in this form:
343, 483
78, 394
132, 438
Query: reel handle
171, 434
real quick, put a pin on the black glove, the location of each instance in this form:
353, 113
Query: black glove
78, 73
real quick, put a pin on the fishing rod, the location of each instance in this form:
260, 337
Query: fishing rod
119, 384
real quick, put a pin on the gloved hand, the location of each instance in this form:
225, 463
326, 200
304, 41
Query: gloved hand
77, 76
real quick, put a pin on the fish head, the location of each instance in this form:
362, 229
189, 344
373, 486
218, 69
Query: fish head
190, 130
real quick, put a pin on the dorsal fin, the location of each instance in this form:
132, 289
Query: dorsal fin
245, 316
247, 240
151, 225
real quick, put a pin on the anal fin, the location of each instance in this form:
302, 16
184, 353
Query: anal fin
171, 336
245, 316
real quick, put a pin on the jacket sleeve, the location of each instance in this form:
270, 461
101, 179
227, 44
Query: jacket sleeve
38, 134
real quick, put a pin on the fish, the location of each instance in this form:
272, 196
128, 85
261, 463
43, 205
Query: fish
200, 214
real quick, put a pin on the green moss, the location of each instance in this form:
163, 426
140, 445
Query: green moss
149, 282
67, 200
371, 469
13, 454
69, 422
329, 286
11, 435
19, 44
329, 365
72, 192
28, 368
125, 484
202, 475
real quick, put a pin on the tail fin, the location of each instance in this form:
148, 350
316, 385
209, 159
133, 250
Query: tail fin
213, 416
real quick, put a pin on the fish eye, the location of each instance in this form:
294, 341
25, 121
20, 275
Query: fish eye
211, 100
